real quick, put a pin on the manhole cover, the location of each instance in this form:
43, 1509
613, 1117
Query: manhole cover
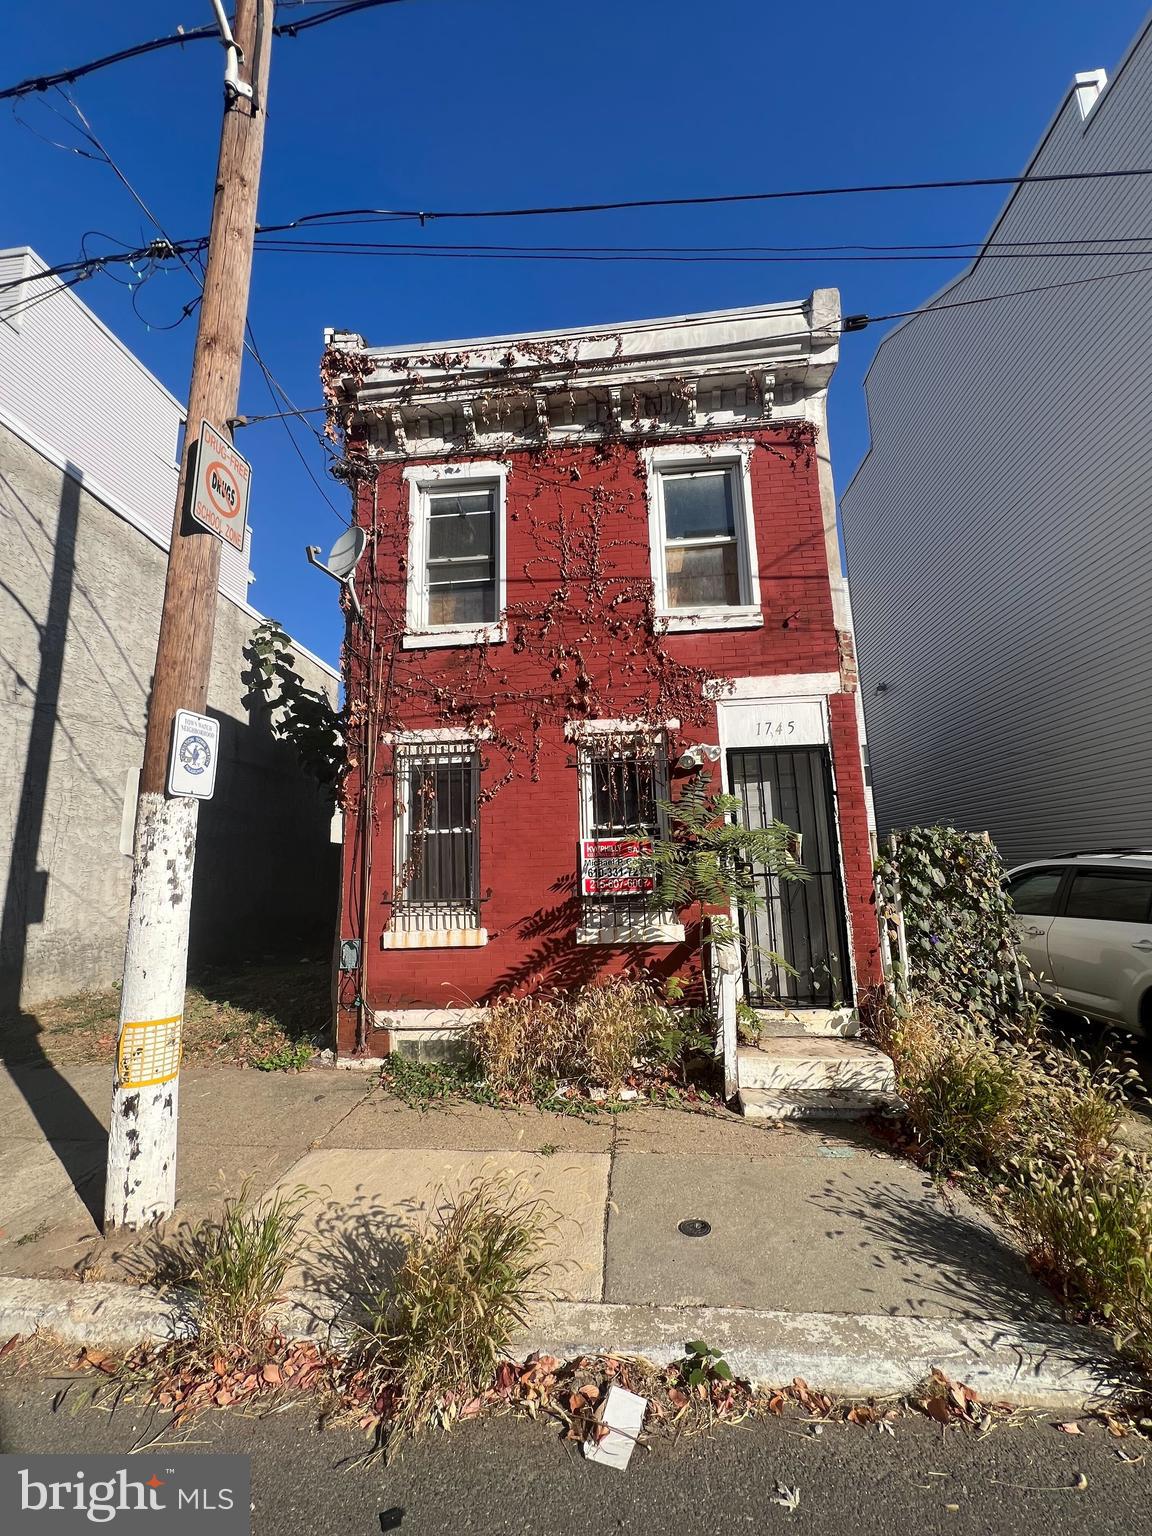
694, 1227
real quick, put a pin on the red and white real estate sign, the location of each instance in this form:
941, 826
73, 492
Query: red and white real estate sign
220, 492
616, 866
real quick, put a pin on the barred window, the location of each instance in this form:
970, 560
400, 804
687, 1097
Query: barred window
622, 782
437, 850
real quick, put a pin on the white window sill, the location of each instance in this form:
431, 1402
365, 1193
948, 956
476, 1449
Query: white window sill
639, 931
456, 634
433, 938
681, 619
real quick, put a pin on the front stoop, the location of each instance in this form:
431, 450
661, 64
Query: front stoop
795, 1077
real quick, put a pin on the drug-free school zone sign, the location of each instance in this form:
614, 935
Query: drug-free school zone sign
220, 488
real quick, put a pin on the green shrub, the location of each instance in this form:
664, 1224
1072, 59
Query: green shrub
293, 1056
467, 1283
1088, 1229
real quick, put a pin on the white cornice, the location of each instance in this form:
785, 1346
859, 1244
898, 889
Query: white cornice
801, 337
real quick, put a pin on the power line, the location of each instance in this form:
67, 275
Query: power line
177, 40
427, 215
802, 255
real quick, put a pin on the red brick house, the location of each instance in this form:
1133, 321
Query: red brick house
595, 560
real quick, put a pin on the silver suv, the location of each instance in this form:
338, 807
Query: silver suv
1085, 925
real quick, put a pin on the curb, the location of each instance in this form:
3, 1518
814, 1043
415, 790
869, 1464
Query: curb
1038, 1365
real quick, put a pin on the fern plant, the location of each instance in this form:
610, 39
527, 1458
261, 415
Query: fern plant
709, 858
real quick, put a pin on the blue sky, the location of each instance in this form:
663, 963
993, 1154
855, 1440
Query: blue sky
482, 103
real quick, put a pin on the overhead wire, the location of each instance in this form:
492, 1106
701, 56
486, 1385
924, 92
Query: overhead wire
177, 40
189, 259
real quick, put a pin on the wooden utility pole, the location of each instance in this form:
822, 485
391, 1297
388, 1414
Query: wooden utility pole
141, 1185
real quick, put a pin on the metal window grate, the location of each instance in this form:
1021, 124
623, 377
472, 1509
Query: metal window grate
620, 789
438, 835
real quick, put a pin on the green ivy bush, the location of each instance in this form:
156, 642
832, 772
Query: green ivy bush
958, 923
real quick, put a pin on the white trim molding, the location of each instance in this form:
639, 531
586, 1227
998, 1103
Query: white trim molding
576, 730
785, 685
433, 938
734, 458
422, 479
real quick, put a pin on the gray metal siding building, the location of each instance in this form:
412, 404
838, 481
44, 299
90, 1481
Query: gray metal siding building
999, 530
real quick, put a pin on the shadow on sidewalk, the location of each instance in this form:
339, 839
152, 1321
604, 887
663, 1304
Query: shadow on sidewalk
952, 1256
62, 1114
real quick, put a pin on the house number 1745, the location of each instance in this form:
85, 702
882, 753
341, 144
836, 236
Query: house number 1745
776, 728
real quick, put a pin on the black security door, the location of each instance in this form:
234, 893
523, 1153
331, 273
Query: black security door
801, 921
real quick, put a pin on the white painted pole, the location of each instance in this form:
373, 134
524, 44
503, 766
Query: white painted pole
141, 1184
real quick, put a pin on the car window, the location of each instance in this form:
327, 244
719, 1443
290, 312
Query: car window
1034, 891
1111, 898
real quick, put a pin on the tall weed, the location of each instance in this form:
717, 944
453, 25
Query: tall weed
591, 1035
238, 1265
1088, 1228
467, 1283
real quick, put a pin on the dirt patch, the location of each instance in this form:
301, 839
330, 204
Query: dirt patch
269, 1016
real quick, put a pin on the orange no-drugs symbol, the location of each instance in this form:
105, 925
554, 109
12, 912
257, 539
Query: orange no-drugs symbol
223, 492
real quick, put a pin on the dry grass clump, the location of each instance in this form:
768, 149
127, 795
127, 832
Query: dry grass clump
468, 1280
237, 1266
1088, 1228
983, 1102
1036, 1122
592, 1035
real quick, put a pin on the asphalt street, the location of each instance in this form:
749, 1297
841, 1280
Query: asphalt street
505, 1476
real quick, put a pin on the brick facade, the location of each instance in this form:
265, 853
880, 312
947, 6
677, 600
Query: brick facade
576, 525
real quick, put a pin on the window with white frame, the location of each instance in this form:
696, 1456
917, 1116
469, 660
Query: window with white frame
437, 852
623, 779
456, 554
703, 546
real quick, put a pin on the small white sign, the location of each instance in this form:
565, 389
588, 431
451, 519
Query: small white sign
220, 491
195, 747
774, 723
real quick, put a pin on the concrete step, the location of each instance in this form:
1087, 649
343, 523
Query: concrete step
813, 1104
775, 1022
808, 1064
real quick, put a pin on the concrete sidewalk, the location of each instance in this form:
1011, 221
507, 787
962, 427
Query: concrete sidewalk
806, 1219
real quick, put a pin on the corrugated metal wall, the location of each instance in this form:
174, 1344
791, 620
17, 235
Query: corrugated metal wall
999, 532
82, 395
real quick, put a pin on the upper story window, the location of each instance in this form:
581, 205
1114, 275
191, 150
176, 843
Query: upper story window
456, 562
460, 569
701, 555
702, 538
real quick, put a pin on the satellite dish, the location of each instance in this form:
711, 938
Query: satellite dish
346, 552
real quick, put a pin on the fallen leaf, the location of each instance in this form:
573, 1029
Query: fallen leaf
938, 1409
1070, 1429
1080, 1482
885, 1428
10, 1346
787, 1498
776, 1403
271, 1374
